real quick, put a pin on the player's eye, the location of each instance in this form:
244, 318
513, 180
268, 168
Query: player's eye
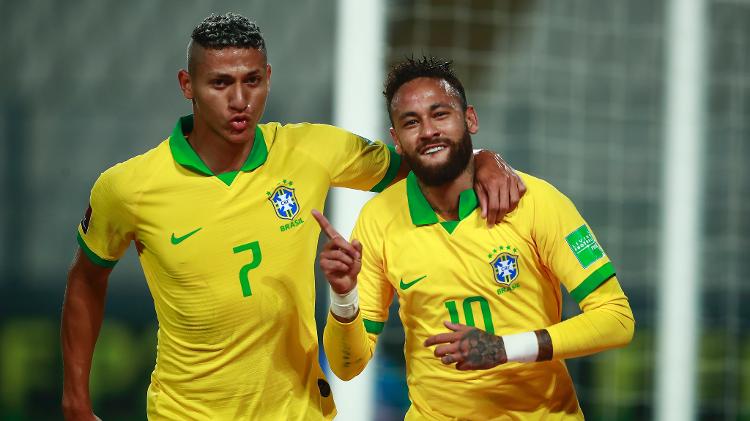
409, 123
253, 80
219, 83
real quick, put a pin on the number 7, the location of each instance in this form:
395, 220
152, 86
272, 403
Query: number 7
244, 270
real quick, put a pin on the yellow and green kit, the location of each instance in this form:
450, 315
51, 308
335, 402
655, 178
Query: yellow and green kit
506, 279
228, 259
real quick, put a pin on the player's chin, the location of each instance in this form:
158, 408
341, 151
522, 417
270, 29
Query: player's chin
238, 136
434, 165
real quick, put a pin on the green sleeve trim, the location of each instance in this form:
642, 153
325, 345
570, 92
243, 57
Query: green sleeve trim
390, 175
592, 282
92, 256
373, 327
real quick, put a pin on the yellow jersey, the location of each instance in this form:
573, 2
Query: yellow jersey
503, 280
229, 260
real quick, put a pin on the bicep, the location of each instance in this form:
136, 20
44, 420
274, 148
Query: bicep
84, 270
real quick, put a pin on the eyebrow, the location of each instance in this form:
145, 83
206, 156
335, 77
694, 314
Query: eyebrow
214, 74
433, 107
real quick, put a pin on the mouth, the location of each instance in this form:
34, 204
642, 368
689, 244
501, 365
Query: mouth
239, 123
432, 149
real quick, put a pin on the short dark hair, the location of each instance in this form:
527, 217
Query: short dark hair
412, 68
229, 30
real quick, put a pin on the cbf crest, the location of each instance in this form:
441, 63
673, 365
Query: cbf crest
284, 200
504, 265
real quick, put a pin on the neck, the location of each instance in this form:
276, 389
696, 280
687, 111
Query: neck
217, 153
444, 199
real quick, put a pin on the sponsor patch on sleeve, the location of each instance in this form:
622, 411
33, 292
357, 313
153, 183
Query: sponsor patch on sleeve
85, 221
584, 246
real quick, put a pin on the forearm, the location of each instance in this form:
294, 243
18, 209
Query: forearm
606, 322
348, 346
83, 311
610, 326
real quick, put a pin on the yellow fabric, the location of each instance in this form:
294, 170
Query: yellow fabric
457, 277
223, 355
606, 322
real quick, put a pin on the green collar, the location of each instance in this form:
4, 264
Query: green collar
184, 154
421, 211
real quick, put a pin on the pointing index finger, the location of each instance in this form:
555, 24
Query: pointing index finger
325, 226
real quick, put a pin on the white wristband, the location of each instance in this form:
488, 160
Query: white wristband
521, 347
345, 305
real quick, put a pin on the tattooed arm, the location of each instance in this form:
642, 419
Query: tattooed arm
606, 322
474, 349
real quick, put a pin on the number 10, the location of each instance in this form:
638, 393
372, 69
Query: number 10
469, 312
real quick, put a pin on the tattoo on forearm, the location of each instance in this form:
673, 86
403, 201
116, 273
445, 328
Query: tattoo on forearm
482, 349
545, 345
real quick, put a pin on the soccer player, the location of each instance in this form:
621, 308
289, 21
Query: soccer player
219, 215
496, 290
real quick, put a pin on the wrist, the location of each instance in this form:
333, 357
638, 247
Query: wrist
521, 347
345, 305
76, 410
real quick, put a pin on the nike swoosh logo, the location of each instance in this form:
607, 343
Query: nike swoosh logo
406, 285
178, 240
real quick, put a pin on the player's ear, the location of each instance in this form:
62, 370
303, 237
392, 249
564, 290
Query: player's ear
472, 121
268, 76
186, 84
396, 142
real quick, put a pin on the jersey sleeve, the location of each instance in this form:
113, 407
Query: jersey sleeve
606, 322
375, 291
566, 244
350, 346
107, 227
353, 161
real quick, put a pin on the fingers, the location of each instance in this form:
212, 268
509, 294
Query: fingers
441, 338
357, 246
325, 225
504, 194
449, 359
464, 365
339, 243
520, 184
482, 197
338, 255
445, 349
336, 241
331, 267
515, 195
457, 327
493, 206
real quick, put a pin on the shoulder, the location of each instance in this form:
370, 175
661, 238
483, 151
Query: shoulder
386, 207
538, 189
299, 131
124, 177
